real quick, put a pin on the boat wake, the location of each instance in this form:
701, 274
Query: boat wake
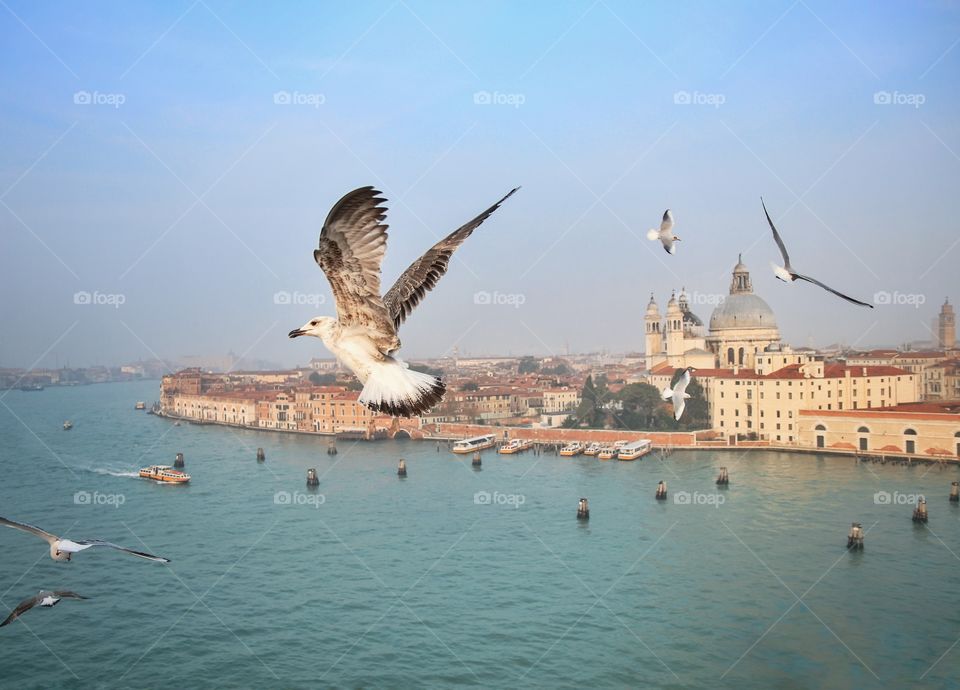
111, 472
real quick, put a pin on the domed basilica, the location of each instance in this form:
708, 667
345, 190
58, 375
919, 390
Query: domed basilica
741, 326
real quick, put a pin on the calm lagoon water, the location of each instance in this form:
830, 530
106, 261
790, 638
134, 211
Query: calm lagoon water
377, 582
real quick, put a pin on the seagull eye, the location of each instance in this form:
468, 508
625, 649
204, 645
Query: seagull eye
314, 323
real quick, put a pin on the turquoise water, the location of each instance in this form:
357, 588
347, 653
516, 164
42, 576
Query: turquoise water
377, 582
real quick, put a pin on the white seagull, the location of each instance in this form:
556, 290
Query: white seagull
786, 272
364, 334
61, 549
44, 598
678, 394
665, 233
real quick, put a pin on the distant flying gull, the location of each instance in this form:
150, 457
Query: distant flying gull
364, 334
61, 549
786, 272
44, 598
665, 233
678, 394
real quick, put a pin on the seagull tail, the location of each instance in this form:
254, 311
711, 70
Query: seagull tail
667, 394
394, 389
653, 234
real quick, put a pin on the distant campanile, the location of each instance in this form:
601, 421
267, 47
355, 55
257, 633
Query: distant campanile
947, 326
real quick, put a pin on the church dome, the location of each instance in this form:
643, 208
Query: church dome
742, 310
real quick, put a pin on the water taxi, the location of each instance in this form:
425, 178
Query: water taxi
140, 405
515, 446
620, 444
632, 451
164, 473
572, 449
607, 453
67, 425
469, 445
593, 449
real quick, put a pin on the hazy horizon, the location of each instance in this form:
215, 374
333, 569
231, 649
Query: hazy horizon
181, 159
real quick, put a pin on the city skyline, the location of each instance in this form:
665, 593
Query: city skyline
153, 208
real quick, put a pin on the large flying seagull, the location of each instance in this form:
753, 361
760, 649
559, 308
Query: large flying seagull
61, 549
786, 272
364, 334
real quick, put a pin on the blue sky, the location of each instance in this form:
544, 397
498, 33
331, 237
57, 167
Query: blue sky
186, 188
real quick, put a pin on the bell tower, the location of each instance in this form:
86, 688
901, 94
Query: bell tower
653, 346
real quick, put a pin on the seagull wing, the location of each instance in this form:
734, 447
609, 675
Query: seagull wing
46, 536
66, 594
830, 289
21, 608
86, 544
778, 239
424, 273
666, 225
352, 244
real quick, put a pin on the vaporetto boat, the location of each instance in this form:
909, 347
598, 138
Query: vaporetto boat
469, 445
515, 446
634, 450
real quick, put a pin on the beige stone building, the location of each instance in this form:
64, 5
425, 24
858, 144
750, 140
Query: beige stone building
765, 401
930, 429
560, 400
916, 362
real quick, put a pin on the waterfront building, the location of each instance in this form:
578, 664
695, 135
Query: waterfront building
928, 428
766, 406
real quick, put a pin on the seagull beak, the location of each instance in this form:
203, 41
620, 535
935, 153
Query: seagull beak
296, 332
